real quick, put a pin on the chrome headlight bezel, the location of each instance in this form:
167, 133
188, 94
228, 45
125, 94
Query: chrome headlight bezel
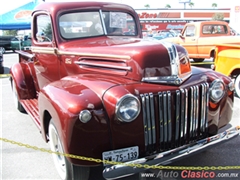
126, 104
85, 116
217, 90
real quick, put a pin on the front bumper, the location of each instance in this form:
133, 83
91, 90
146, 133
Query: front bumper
124, 169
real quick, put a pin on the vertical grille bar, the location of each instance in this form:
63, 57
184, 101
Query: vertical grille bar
206, 110
186, 115
165, 120
161, 123
148, 116
152, 110
169, 118
182, 116
191, 113
196, 109
144, 119
203, 101
178, 121
207, 106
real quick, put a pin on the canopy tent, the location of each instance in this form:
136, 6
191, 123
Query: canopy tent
19, 18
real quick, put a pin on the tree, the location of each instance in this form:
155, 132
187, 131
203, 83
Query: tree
10, 32
167, 6
191, 4
214, 5
218, 17
147, 6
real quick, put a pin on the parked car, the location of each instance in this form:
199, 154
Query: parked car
164, 34
227, 61
199, 38
21, 44
5, 43
1, 62
97, 92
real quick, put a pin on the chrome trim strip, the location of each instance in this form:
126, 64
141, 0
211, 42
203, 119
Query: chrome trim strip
166, 79
94, 55
126, 68
45, 50
123, 170
51, 50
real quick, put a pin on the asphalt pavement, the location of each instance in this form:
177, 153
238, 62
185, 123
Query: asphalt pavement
22, 163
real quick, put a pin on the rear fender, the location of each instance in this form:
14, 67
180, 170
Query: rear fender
21, 75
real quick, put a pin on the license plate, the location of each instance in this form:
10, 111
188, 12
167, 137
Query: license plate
121, 155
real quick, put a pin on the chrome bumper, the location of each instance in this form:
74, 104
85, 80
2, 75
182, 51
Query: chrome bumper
123, 170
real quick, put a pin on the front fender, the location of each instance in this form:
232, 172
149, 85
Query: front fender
64, 100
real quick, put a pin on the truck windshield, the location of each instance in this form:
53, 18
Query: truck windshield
86, 24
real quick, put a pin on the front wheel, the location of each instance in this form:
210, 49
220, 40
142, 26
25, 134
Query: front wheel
65, 169
237, 86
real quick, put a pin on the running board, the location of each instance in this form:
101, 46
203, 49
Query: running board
31, 107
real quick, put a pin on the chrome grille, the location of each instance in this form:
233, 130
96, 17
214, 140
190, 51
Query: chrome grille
174, 118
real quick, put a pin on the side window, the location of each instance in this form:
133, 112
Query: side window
207, 29
44, 28
214, 29
189, 31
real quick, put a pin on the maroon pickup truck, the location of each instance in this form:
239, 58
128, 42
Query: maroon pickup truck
96, 89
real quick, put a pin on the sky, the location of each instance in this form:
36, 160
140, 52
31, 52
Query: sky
136, 4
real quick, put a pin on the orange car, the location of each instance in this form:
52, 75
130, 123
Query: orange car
199, 38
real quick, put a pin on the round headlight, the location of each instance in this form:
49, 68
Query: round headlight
127, 108
217, 90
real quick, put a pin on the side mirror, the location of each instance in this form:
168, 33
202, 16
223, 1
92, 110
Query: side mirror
41, 37
181, 36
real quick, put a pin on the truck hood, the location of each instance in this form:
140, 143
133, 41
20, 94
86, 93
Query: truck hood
134, 58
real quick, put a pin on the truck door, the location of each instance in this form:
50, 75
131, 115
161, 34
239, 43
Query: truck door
46, 61
189, 40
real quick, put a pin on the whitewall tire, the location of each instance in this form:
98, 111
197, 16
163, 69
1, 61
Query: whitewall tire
65, 169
